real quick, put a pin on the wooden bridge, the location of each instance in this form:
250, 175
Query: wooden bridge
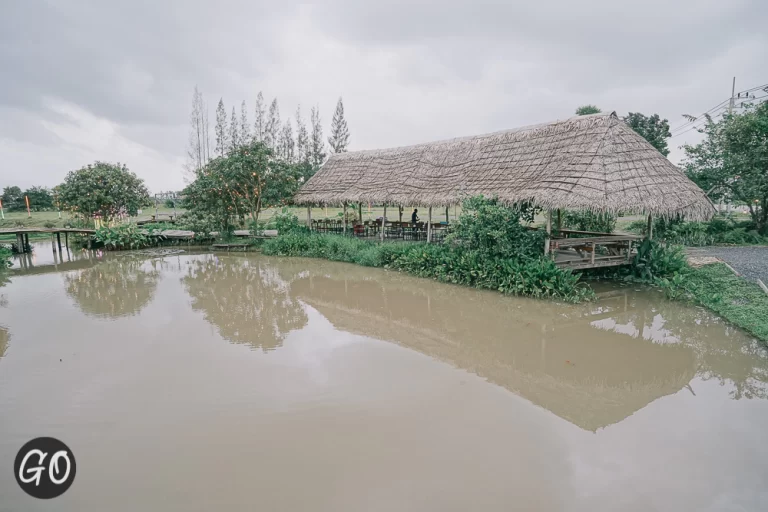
22, 235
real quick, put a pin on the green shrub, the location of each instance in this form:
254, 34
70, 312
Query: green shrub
6, 257
655, 260
49, 224
495, 230
128, 236
285, 222
719, 230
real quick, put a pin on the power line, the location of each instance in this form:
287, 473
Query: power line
701, 122
688, 126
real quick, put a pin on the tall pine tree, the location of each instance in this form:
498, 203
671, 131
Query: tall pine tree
272, 131
234, 136
196, 143
302, 138
316, 144
245, 128
286, 144
260, 125
222, 130
339, 139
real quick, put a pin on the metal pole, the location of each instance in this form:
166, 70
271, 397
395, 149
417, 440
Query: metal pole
733, 91
429, 225
650, 226
383, 221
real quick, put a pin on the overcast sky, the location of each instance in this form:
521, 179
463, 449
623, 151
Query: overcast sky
112, 80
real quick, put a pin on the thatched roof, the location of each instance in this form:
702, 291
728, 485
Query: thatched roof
595, 163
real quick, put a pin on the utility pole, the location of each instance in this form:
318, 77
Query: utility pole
733, 91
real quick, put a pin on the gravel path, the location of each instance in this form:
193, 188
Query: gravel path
752, 262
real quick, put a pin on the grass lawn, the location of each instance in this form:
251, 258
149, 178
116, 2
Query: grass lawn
714, 286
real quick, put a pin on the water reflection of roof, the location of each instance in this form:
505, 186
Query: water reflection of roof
551, 356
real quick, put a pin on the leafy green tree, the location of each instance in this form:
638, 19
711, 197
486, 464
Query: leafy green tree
732, 161
13, 199
40, 198
653, 129
243, 183
105, 189
586, 110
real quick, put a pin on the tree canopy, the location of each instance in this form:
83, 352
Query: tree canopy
732, 161
12, 198
242, 183
586, 110
103, 188
653, 129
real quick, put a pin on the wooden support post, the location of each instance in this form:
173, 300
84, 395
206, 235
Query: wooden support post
345, 218
26, 242
650, 226
53, 244
20, 243
594, 250
429, 226
559, 221
383, 222
446, 215
66, 240
309, 218
360, 213
58, 241
90, 241
549, 232
400, 211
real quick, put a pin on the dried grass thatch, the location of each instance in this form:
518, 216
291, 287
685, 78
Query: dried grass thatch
595, 163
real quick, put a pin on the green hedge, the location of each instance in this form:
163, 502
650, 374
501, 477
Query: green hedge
534, 277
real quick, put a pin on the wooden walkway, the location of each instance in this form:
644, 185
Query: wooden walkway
22, 235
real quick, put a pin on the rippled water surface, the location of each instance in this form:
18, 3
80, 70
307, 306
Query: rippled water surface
188, 382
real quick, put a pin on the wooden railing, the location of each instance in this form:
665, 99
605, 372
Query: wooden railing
592, 251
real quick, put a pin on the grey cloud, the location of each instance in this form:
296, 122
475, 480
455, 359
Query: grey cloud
409, 71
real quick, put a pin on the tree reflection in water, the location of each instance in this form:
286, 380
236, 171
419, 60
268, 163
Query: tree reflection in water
116, 287
245, 299
4, 337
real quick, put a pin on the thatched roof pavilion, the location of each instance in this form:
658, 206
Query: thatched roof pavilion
595, 163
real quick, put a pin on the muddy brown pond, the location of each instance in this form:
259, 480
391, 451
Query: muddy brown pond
200, 382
